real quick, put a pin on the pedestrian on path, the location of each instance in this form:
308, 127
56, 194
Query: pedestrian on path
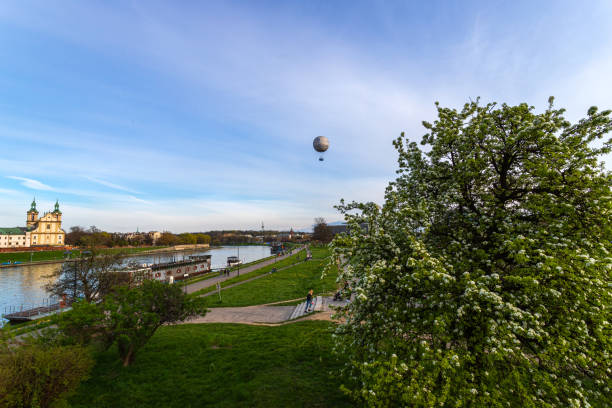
309, 300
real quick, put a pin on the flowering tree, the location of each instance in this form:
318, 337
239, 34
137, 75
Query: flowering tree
484, 279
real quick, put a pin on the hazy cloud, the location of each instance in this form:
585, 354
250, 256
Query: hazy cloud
31, 183
109, 184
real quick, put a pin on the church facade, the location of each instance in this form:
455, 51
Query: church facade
39, 231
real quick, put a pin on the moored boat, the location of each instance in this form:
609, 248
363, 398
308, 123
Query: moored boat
177, 270
233, 261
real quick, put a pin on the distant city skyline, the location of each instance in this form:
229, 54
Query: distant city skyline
201, 117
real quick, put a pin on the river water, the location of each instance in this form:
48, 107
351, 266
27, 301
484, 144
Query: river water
23, 286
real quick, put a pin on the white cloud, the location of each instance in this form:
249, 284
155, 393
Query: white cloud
8, 191
31, 183
109, 184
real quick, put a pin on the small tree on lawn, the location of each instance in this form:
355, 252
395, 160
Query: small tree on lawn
133, 315
321, 231
484, 279
91, 276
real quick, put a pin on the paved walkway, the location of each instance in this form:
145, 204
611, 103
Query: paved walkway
249, 314
194, 287
264, 314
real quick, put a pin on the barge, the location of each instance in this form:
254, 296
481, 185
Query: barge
175, 270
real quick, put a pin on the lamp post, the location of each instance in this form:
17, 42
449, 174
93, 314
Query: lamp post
185, 276
238, 260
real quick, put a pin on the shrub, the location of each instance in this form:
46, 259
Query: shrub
36, 375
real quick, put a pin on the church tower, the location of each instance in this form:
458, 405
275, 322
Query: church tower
57, 212
32, 215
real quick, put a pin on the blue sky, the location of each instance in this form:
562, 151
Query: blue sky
189, 116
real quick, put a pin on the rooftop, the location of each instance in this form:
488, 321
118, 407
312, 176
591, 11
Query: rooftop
12, 231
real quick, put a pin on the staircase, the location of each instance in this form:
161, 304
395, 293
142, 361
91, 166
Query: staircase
300, 310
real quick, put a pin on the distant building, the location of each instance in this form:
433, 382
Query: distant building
286, 236
44, 231
16, 237
154, 236
344, 228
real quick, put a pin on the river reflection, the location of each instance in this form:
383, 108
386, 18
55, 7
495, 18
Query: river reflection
24, 285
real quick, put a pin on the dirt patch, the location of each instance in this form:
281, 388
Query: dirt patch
217, 347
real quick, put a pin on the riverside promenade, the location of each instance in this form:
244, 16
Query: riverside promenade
194, 287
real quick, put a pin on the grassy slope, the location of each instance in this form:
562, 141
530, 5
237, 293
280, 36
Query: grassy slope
221, 365
36, 256
245, 276
287, 284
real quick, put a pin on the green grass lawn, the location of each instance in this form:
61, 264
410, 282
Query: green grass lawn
131, 250
245, 276
221, 365
36, 256
59, 255
217, 273
320, 252
290, 283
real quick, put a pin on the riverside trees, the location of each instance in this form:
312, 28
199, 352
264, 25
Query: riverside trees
91, 276
132, 316
127, 317
321, 231
484, 279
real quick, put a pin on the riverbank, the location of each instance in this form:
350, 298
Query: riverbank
52, 257
24, 285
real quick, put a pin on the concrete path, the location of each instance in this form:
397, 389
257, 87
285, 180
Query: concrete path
262, 314
194, 287
249, 315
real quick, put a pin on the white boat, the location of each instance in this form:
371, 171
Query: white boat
233, 261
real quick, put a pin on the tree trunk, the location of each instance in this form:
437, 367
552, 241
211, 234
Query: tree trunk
129, 356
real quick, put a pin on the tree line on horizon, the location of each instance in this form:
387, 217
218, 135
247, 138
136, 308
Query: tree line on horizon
93, 236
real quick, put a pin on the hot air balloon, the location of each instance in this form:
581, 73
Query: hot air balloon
320, 144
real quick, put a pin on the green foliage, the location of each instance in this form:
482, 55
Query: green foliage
187, 239
131, 316
484, 279
35, 375
221, 366
81, 324
321, 231
202, 238
167, 239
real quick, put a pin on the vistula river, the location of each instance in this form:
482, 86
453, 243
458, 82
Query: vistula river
24, 285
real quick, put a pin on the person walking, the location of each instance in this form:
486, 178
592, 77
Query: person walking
309, 300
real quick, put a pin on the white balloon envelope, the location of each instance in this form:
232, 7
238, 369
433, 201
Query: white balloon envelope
320, 144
